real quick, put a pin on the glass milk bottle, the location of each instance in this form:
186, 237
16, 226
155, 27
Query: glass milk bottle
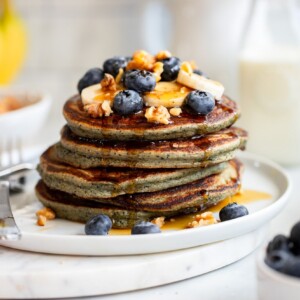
270, 80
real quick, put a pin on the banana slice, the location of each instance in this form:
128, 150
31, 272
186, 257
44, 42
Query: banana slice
94, 94
201, 83
167, 94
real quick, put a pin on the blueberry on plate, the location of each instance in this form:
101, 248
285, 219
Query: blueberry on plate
127, 102
98, 225
139, 80
91, 77
171, 68
114, 64
232, 211
145, 228
200, 102
279, 242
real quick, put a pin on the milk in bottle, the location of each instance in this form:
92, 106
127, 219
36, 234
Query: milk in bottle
270, 81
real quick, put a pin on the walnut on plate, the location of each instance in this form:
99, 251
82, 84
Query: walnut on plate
43, 215
203, 219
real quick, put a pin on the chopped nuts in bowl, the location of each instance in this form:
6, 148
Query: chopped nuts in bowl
29, 115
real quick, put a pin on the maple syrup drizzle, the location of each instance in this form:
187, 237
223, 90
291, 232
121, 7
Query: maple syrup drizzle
247, 196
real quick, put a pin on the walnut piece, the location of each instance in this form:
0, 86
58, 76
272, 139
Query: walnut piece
203, 219
108, 83
159, 221
163, 54
141, 60
158, 68
9, 103
96, 110
41, 221
175, 111
43, 215
46, 212
187, 67
157, 115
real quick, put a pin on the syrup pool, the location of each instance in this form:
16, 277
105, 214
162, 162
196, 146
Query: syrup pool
178, 223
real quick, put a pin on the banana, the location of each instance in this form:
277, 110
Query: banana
95, 94
201, 83
12, 43
167, 94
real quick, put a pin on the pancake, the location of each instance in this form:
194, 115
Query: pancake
111, 182
200, 151
125, 210
136, 127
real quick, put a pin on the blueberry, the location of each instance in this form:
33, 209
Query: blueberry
91, 77
127, 102
232, 211
145, 228
114, 64
139, 80
284, 262
293, 268
278, 260
200, 102
200, 73
98, 225
295, 237
279, 242
171, 68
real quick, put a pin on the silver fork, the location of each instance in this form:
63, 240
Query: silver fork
14, 159
8, 227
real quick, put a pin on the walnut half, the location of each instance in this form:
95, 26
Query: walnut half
142, 60
157, 115
108, 83
96, 110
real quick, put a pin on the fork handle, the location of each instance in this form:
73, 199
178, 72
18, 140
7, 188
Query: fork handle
8, 226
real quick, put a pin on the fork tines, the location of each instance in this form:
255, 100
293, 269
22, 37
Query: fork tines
10, 152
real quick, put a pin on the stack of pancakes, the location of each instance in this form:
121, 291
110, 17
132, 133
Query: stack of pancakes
133, 170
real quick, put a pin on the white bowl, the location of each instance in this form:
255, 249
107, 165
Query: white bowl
24, 122
273, 284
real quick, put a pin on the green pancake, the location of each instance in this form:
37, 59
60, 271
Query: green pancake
136, 126
125, 210
200, 151
111, 182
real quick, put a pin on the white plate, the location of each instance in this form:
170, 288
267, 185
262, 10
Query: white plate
65, 237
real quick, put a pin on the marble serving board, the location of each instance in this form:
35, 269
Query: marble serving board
26, 275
